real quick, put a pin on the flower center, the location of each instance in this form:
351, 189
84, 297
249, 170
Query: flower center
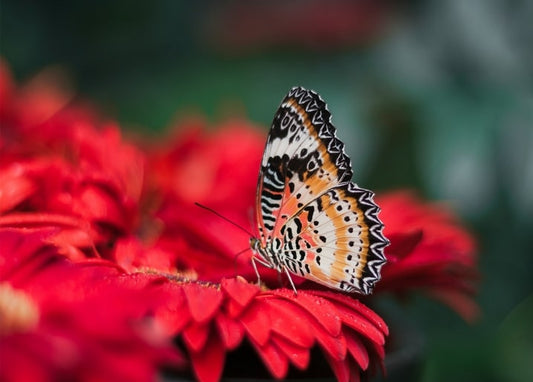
18, 312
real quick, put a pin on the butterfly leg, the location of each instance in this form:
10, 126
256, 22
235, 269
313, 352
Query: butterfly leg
290, 280
262, 262
256, 271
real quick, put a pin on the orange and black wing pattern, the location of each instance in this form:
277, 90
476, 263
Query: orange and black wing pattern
312, 220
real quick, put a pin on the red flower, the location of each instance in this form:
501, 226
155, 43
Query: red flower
59, 165
194, 162
107, 258
64, 321
429, 252
187, 171
212, 319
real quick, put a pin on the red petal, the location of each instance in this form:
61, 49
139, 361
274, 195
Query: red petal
240, 290
402, 244
358, 306
71, 242
256, 323
464, 305
195, 336
234, 309
203, 300
290, 321
322, 310
299, 356
275, 360
208, 363
324, 317
357, 349
355, 374
97, 203
340, 368
178, 320
335, 347
377, 349
43, 219
230, 331
361, 325
174, 314
24, 252
14, 187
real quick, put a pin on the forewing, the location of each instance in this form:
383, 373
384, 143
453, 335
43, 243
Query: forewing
303, 158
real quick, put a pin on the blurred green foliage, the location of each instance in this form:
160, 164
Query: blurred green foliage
438, 97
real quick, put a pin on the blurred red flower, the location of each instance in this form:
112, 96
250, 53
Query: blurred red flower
429, 252
307, 24
59, 164
108, 253
187, 169
72, 321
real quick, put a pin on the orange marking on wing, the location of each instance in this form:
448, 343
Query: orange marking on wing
309, 237
344, 238
317, 185
363, 236
337, 268
290, 203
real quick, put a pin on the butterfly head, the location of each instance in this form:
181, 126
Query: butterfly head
264, 255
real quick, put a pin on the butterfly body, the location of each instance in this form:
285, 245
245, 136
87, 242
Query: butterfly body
312, 220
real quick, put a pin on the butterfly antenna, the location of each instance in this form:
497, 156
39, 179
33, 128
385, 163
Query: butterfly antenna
225, 218
236, 256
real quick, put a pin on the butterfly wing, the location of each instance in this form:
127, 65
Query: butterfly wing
302, 159
336, 240
305, 175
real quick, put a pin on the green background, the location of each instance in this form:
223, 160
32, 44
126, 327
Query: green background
437, 97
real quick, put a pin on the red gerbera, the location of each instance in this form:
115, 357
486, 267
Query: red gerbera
429, 252
59, 167
214, 318
100, 255
186, 172
72, 321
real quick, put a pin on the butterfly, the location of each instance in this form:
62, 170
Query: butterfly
313, 221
